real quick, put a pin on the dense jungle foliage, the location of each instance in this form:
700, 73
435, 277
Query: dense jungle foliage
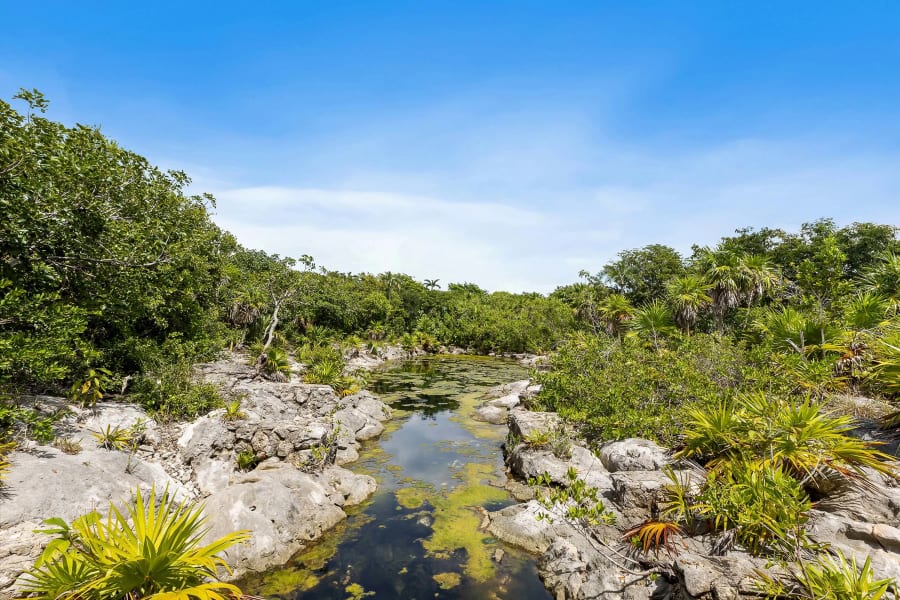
114, 280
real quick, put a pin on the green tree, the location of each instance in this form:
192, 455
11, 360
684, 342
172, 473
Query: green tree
724, 272
641, 274
97, 232
688, 295
883, 278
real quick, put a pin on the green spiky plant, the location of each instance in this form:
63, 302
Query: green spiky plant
150, 551
326, 371
277, 364
114, 438
827, 577
799, 437
247, 460
233, 411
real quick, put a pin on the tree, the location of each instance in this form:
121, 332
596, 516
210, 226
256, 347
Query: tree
688, 295
432, 284
820, 274
884, 278
724, 272
641, 274
97, 232
652, 321
864, 245
614, 312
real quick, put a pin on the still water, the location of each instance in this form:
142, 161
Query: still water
419, 536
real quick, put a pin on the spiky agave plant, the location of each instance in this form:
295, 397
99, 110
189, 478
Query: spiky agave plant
151, 551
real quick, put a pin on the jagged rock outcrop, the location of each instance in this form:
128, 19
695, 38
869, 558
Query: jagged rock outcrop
859, 521
287, 425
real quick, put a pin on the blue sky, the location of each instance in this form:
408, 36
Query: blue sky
511, 144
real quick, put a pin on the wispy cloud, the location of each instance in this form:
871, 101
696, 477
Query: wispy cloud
525, 200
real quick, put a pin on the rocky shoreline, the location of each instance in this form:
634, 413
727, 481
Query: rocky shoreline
284, 425
629, 478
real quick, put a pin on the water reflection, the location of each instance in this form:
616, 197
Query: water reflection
419, 536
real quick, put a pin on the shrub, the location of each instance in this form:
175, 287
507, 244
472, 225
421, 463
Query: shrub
88, 391
169, 393
151, 550
277, 364
828, 577
67, 445
796, 436
760, 505
233, 411
26, 423
616, 389
580, 502
247, 460
114, 438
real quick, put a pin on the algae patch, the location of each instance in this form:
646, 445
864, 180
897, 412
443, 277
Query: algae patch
456, 522
447, 581
412, 497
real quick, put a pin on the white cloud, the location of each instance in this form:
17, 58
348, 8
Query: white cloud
525, 201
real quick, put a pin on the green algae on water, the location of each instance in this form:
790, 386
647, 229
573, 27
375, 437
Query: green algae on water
412, 497
447, 581
456, 522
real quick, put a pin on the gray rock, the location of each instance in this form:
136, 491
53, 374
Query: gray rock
529, 462
519, 526
354, 488
633, 454
50, 483
204, 438
637, 492
507, 402
524, 423
573, 568
726, 577
283, 507
878, 541
350, 419
490, 414
513, 388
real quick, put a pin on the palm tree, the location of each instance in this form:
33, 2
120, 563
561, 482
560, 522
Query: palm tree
431, 284
613, 311
761, 279
884, 279
725, 273
867, 310
688, 296
652, 320
391, 282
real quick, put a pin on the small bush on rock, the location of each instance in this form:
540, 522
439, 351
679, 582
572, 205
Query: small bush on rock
150, 550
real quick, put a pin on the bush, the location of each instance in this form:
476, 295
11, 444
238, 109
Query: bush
149, 550
169, 393
616, 389
796, 436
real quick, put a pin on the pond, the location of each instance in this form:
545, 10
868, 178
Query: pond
420, 535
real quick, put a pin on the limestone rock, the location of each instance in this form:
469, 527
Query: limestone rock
282, 507
524, 423
633, 454
573, 568
508, 401
490, 414
519, 525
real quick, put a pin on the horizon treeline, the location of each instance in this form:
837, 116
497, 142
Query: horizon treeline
108, 266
